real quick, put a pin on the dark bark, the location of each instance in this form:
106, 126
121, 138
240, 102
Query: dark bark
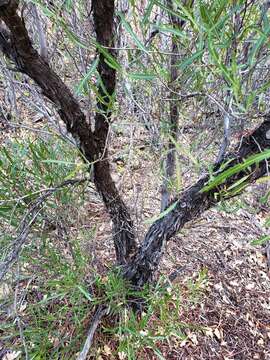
190, 204
124, 239
16, 45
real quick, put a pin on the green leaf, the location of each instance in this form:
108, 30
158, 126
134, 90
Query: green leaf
260, 42
169, 11
188, 61
267, 222
238, 183
264, 199
5, 209
189, 16
260, 241
132, 33
109, 59
222, 5
85, 293
161, 215
215, 56
88, 75
142, 76
171, 30
221, 178
147, 12
205, 15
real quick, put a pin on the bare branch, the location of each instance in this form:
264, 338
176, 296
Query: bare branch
99, 314
226, 139
92, 145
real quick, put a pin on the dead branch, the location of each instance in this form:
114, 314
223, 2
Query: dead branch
99, 314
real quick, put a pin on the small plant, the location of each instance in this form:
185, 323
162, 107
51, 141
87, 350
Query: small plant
196, 287
27, 168
52, 308
51, 267
158, 324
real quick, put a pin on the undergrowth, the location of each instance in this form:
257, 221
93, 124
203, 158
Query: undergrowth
48, 298
57, 300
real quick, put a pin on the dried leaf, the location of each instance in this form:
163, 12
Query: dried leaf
107, 350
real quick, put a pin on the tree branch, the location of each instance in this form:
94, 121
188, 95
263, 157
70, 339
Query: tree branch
28, 61
169, 162
99, 314
18, 47
124, 238
192, 203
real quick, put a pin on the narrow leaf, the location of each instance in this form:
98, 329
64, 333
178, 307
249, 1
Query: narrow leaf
262, 240
141, 76
161, 215
85, 293
132, 33
88, 75
236, 169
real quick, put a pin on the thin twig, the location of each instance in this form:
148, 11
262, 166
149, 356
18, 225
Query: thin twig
226, 139
21, 126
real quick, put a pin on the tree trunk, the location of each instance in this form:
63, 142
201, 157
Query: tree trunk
187, 206
124, 240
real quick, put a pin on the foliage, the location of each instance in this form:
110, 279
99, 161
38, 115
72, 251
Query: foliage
219, 179
53, 307
60, 297
29, 167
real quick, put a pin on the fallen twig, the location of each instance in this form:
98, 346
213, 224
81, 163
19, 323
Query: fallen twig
100, 312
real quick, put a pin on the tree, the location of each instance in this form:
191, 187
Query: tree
17, 45
233, 170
